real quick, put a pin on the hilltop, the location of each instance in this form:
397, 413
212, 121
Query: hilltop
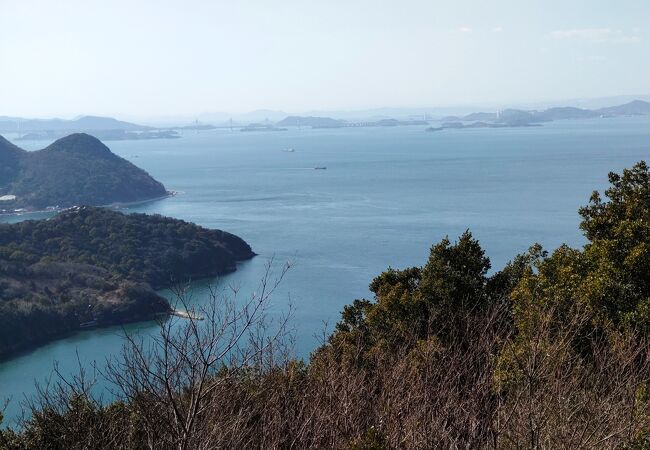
74, 170
633, 108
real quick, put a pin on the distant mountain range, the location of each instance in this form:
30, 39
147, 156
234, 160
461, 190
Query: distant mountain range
403, 113
519, 116
506, 117
328, 122
310, 121
81, 124
633, 108
104, 128
104, 135
108, 128
75, 170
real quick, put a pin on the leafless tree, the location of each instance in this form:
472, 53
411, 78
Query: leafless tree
170, 381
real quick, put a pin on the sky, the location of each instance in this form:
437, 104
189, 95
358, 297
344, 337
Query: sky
140, 58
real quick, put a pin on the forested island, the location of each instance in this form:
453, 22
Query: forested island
92, 266
551, 351
74, 170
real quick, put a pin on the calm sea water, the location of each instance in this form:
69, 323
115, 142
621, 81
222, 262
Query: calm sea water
387, 195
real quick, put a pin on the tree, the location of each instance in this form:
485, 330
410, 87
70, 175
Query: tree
416, 303
618, 285
610, 276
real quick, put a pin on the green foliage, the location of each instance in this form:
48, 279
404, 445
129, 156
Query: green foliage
79, 422
413, 304
95, 265
454, 278
153, 249
610, 277
371, 440
9, 157
618, 285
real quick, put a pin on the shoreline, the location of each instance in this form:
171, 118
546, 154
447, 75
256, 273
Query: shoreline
171, 311
186, 314
116, 205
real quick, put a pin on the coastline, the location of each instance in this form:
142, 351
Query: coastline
171, 311
116, 205
32, 346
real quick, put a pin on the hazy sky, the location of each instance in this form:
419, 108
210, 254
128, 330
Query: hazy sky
156, 58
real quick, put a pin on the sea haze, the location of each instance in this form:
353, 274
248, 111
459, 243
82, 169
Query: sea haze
386, 196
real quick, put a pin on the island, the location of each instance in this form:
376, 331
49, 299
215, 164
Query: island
480, 124
522, 118
92, 266
310, 121
328, 122
104, 135
75, 170
83, 123
261, 127
104, 128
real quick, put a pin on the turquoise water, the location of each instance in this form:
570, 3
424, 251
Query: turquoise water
387, 195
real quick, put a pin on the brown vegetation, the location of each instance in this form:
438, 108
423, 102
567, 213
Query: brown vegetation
551, 352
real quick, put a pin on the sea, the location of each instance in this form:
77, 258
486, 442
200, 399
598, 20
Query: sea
382, 198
